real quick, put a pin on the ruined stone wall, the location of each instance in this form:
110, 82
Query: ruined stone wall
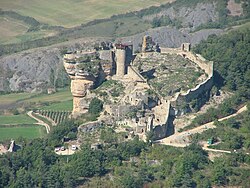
171, 50
134, 75
161, 129
206, 85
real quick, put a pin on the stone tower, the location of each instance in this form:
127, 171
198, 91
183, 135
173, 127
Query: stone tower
120, 53
185, 47
123, 56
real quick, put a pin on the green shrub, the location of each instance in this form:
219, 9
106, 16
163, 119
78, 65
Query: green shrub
95, 106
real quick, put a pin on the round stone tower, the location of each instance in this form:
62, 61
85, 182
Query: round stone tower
120, 61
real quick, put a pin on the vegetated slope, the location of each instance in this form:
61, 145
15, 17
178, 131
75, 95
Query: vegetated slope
118, 163
231, 57
69, 13
232, 134
188, 15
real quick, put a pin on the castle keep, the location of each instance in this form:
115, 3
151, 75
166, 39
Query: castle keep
148, 96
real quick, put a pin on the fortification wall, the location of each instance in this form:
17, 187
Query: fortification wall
134, 75
206, 85
200, 88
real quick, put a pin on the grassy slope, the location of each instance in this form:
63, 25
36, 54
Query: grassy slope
11, 28
69, 13
16, 119
32, 131
118, 28
15, 31
14, 97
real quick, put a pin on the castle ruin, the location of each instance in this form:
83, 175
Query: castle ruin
150, 112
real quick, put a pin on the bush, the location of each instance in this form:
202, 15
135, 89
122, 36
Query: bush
95, 106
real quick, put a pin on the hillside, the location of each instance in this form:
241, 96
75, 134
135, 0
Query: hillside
105, 100
182, 14
69, 13
24, 21
162, 23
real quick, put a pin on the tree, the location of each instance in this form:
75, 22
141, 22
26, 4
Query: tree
95, 106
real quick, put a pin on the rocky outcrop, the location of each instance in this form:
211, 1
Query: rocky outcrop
86, 69
31, 70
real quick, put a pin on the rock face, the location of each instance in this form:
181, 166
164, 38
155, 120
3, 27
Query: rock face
31, 70
79, 89
38, 69
190, 17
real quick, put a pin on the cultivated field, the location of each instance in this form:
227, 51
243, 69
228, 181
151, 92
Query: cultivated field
69, 13
25, 131
14, 126
9, 99
59, 106
16, 119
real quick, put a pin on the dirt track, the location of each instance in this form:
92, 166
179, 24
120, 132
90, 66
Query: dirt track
39, 122
183, 139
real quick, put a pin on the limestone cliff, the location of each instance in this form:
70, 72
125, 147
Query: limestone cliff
86, 69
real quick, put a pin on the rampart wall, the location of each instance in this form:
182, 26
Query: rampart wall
206, 85
161, 129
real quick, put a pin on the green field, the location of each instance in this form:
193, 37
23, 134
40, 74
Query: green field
61, 106
14, 97
16, 119
69, 13
27, 131
61, 95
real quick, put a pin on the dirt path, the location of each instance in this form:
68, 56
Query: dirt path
39, 122
183, 139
